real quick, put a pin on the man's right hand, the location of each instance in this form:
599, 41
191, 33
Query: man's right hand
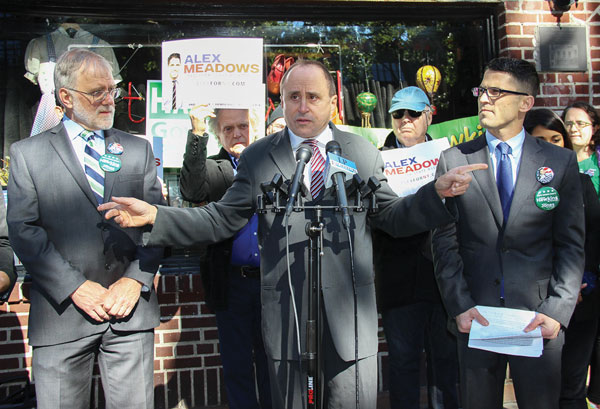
129, 211
465, 319
89, 297
198, 115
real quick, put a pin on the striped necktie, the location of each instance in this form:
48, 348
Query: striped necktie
93, 171
317, 167
174, 96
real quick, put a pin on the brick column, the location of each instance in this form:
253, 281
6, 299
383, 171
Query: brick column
517, 35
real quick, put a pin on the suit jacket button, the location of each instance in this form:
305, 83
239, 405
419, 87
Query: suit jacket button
107, 266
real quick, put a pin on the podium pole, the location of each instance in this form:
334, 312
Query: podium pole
314, 230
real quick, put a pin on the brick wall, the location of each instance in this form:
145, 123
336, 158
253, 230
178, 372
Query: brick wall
187, 366
517, 35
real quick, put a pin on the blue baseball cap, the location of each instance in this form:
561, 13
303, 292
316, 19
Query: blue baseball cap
412, 98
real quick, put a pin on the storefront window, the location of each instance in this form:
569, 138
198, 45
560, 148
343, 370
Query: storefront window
370, 56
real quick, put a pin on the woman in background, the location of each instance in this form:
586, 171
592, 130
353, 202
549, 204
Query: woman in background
583, 126
580, 336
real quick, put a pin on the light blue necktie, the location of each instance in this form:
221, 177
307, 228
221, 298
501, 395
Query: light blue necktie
93, 171
504, 178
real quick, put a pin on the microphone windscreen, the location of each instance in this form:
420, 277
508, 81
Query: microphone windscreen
303, 154
333, 147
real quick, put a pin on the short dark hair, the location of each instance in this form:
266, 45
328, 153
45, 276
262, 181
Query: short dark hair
548, 119
522, 71
315, 63
174, 55
594, 117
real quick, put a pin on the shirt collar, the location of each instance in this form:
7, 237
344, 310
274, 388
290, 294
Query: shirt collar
322, 138
74, 129
516, 142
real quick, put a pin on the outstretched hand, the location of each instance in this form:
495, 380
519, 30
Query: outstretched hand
456, 181
129, 211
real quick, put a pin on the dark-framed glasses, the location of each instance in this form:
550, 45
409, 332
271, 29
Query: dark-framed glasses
494, 92
578, 124
400, 113
100, 95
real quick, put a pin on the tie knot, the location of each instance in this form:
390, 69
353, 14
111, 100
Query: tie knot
310, 142
87, 135
504, 148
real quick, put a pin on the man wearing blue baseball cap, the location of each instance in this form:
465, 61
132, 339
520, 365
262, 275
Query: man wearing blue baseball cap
413, 314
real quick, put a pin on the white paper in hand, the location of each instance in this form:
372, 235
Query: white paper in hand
505, 333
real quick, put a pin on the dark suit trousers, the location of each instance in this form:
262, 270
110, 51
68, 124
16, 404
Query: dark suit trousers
338, 390
241, 345
576, 356
482, 373
63, 373
409, 329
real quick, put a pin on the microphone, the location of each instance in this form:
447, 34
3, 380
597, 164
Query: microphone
337, 170
303, 155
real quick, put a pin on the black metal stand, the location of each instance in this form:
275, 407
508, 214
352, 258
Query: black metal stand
314, 230
274, 198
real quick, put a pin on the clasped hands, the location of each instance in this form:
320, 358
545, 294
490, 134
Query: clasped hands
102, 304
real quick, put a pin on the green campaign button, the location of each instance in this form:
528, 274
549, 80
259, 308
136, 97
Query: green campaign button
109, 162
547, 198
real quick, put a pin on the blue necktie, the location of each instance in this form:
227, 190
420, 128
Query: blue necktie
93, 171
504, 178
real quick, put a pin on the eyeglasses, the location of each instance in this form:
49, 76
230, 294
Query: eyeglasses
400, 113
99, 96
493, 92
578, 124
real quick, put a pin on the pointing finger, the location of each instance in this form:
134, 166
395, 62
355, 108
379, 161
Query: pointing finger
470, 168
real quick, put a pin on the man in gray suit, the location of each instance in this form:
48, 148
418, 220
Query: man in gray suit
516, 245
309, 99
92, 284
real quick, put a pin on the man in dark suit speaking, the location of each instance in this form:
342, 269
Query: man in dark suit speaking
517, 242
309, 99
92, 291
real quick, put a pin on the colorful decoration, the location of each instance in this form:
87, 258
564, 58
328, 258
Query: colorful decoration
4, 171
429, 79
366, 103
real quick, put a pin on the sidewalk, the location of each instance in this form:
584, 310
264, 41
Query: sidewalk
383, 401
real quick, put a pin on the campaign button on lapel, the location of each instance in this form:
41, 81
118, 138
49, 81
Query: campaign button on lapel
547, 198
544, 175
115, 148
110, 163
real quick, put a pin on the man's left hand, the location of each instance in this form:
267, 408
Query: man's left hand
550, 326
456, 181
122, 296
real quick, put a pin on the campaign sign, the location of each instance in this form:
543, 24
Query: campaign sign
407, 169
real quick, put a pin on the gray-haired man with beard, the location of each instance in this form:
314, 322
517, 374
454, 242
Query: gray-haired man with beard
93, 291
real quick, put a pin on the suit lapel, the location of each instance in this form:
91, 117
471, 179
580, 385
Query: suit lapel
281, 153
486, 180
110, 136
531, 161
60, 142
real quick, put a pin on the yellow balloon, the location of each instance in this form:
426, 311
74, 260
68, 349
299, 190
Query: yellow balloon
429, 79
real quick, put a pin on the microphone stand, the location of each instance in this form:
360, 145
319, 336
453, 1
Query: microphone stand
314, 230
274, 199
